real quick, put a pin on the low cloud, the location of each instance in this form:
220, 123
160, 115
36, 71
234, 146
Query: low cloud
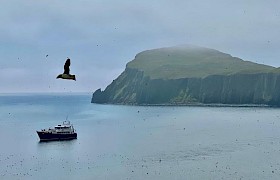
102, 36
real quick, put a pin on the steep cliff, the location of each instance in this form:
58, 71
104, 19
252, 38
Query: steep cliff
190, 75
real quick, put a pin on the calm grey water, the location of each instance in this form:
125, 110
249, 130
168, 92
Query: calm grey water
131, 142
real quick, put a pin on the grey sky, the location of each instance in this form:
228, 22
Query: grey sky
101, 36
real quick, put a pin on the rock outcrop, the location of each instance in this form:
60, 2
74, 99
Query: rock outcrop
192, 75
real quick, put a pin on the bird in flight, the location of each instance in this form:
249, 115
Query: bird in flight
66, 74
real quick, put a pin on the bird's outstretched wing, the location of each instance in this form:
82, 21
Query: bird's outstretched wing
66, 67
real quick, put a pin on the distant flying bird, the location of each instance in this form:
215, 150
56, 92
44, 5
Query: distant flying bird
66, 74
47, 55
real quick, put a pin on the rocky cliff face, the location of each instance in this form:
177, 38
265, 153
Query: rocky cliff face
135, 86
131, 87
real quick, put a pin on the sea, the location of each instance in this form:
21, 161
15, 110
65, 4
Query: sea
121, 142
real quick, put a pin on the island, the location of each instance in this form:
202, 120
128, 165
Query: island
192, 75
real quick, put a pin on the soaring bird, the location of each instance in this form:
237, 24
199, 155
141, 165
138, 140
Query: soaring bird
66, 74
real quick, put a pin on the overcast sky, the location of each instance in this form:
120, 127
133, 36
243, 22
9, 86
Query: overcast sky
101, 36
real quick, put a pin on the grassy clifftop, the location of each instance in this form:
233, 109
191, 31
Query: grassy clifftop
192, 62
192, 75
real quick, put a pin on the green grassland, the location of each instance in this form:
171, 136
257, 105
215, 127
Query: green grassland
192, 62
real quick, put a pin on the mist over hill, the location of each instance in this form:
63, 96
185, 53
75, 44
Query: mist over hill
188, 74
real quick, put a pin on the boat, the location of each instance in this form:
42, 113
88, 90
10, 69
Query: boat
64, 131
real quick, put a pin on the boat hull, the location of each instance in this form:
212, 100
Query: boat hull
47, 136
